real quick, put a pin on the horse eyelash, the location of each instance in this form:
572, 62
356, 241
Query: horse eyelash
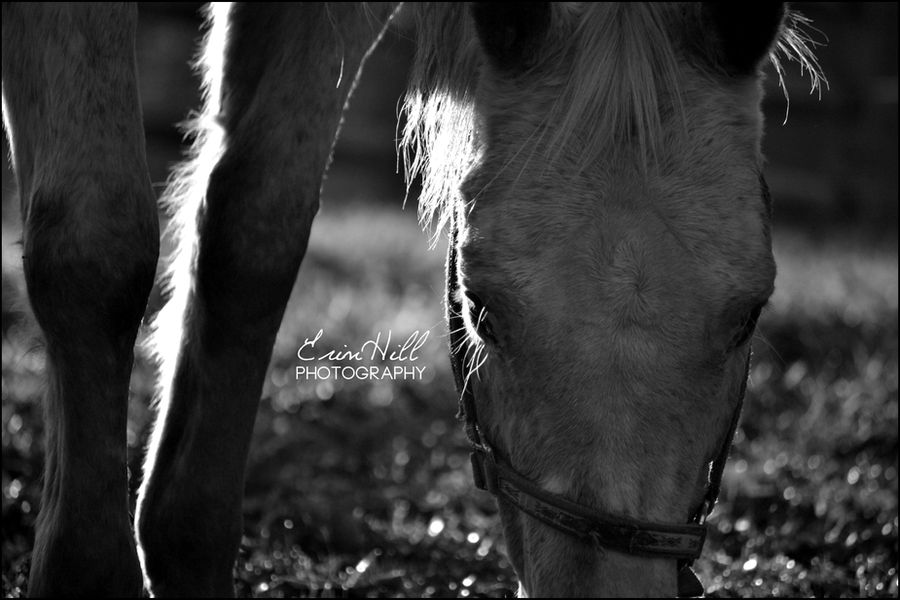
748, 326
484, 328
479, 316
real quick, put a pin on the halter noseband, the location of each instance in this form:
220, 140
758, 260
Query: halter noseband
492, 473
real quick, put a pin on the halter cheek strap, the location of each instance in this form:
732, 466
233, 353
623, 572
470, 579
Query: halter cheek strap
683, 542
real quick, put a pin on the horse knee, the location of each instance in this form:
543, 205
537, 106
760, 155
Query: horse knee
90, 261
254, 231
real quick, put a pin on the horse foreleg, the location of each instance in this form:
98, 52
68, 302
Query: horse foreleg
91, 242
268, 127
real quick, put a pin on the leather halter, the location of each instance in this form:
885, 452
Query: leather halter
494, 474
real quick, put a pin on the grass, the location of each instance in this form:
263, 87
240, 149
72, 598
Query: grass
362, 489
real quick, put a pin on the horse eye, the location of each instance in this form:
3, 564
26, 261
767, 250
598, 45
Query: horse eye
747, 327
480, 318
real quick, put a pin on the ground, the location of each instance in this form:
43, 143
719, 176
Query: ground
362, 489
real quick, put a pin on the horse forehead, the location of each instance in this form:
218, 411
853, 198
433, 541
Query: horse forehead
625, 219
628, 263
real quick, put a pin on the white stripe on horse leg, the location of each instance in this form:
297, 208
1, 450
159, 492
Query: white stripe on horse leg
286, 74
91, 241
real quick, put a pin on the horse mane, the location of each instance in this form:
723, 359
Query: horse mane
611, 98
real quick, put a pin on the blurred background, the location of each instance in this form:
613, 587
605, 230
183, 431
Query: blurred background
363, 488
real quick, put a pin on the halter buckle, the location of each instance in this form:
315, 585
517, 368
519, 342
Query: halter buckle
705, 509
484, 471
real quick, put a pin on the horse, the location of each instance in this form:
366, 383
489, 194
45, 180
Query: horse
598, 170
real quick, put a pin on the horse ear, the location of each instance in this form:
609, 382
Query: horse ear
744, 32
511, 33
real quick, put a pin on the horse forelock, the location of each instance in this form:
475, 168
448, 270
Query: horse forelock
623, 77
796, 44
